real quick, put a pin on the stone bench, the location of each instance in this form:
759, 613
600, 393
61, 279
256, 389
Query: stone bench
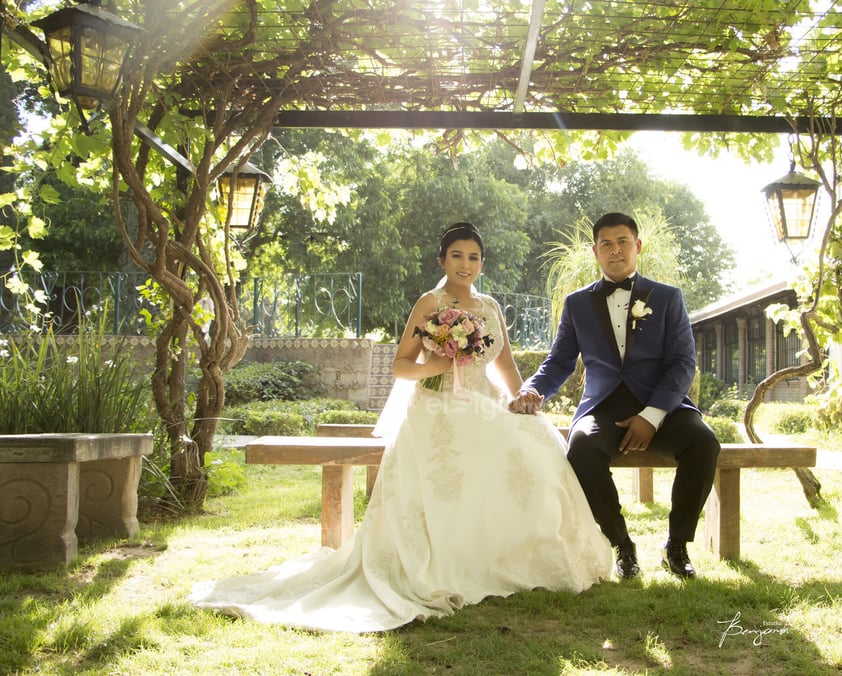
57, 490
338, 455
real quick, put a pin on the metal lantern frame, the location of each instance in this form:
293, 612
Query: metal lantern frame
86, 49
791, 205
247, 194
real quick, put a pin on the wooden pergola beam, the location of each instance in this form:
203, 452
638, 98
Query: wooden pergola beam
434, 119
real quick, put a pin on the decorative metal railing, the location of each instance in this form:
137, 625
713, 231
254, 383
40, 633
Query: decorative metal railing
321, 304
528, 320
71, 295
311, 305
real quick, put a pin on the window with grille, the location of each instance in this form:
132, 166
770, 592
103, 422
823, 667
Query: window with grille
731, 353
708, 356
755, 349
787, 347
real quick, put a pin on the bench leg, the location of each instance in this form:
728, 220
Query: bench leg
337, 504
370, 478
722, 515
39, 510
642, 484
108, 498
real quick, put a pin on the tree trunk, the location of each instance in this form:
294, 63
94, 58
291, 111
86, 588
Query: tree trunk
189, 484
809, 483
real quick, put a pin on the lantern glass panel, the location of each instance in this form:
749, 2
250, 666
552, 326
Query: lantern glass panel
798, 211
776, 210
61, 64
245, 202
101, 57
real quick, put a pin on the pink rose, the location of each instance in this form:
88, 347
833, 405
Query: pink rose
468, 325
431, 345
451, 348
449, 316
465, 360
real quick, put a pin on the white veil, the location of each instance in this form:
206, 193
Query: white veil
394, 410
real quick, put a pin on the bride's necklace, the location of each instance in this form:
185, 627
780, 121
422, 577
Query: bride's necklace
455, 300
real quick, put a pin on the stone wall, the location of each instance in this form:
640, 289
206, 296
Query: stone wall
343, 367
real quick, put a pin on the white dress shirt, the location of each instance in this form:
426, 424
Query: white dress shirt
618, 310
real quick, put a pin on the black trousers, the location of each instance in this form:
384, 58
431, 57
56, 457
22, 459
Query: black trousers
593, 444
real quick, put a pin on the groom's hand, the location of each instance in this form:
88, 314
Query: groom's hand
639, 433
526, 401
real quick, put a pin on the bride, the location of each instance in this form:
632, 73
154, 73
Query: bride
470, 500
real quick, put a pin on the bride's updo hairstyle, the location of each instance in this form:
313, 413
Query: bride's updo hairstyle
459, 231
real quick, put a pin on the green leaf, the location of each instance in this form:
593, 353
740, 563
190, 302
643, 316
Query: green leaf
7, 237
31, 259
49, 194
36, 228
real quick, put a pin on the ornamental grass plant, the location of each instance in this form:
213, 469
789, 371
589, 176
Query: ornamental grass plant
122, 608
79, 382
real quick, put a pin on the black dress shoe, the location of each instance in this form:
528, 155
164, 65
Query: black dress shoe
676, 561
627, 567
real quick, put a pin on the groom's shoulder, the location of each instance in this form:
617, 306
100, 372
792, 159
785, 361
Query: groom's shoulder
585, 290
662, 286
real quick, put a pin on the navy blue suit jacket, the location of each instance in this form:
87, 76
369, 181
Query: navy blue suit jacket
660, 361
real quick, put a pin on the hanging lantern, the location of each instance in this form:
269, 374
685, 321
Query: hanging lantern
791, 204
247, 194
86, 48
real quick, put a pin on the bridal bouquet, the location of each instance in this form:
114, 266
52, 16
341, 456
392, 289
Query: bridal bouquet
455, 334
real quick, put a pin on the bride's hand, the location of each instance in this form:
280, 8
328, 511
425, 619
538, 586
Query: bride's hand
526, 401
436, 365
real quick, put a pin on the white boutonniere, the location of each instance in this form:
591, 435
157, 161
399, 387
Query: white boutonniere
639, 312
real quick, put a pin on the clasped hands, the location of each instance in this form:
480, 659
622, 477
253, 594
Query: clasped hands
526, 401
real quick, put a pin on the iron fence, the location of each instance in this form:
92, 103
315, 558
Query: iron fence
321, 304
528, 320
311, 305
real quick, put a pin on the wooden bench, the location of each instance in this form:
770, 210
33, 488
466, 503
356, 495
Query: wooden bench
352, 430
642, 486
338, 455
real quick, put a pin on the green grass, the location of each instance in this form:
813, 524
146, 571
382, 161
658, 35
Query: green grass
121, 607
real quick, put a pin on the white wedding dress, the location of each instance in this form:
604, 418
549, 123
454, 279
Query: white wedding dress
470, 501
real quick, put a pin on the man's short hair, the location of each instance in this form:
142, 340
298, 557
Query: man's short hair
612, 219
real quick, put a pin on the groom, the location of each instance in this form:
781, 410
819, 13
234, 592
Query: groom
635, 340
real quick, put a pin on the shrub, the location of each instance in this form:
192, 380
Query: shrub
728, 408
259, 381
226, 472
726, 430
695, 387
349, 417
794, 421
711, 389
75, 384
281, 417
279, 421
827, 408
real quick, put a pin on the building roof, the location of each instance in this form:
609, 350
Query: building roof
758, 295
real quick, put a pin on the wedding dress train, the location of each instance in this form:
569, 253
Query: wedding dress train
470, 501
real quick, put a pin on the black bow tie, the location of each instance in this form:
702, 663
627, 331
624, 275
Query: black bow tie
609, 287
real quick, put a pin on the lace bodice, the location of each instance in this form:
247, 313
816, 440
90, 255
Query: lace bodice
475, 376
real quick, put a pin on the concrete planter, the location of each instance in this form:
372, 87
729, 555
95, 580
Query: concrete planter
57, 490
